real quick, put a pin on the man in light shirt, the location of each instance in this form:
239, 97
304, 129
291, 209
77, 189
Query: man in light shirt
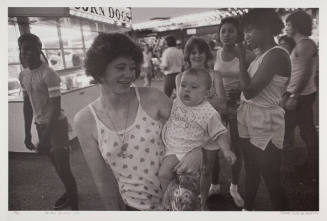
42, 101
172, 61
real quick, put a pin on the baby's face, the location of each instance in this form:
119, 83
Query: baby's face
193, 90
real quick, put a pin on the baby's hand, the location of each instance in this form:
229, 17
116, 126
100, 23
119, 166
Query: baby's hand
229, 156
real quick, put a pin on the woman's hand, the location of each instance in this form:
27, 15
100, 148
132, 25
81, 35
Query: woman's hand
191, 163
291, 103
28, 142
240, 50
233, 94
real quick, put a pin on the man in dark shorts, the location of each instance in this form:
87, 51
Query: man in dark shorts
42, 98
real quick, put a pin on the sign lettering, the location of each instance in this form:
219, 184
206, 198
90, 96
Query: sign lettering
119, 16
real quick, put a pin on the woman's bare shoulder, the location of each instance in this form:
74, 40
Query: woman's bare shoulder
84, 119
155, 102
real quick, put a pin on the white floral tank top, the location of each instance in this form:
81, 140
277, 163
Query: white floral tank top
136, 171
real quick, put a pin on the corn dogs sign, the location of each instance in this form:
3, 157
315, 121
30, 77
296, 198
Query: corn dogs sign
112, 15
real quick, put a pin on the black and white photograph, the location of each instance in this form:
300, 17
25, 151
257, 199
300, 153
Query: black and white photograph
100, 96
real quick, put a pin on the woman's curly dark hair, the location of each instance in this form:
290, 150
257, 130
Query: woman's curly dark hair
301, 21
234, 21
107, 47
201, 45
264, 18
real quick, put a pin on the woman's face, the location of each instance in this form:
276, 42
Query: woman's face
253, 37
228, 34
119, 74
289, 29
197, 58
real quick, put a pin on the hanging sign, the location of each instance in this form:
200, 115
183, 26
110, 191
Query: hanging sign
191, 31
111, 15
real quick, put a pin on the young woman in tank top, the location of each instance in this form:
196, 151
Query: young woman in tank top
260, 118
227, 67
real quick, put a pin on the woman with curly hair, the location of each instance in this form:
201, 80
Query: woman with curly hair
260, 118
121, 129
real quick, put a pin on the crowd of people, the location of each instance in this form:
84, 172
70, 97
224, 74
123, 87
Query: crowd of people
244, 101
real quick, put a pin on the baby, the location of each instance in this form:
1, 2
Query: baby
193, 123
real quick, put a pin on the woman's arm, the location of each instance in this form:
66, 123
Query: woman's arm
219, 87
84, 126
155, 103
220, 91
275, 62
178, 82
164, 104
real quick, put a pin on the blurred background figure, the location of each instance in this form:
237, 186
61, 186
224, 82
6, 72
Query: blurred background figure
179, 45
302, 90
213, 48
171, 63
147, 67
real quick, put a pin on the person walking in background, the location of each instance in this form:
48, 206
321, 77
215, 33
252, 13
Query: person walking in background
147, 67
179, 45
42, 99
227, 66
260, 118
302, 89
121, 130
213, 49
171, 64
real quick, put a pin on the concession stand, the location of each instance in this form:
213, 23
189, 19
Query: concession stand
66, 34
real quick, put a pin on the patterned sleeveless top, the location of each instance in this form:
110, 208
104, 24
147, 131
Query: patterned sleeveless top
137, 171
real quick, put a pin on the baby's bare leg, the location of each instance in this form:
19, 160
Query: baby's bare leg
166, 172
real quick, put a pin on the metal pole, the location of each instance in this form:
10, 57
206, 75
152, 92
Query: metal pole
61, 45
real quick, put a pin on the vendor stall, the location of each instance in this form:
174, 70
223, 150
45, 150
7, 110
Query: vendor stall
66, 34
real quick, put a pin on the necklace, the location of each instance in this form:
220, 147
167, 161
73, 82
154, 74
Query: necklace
123, 147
